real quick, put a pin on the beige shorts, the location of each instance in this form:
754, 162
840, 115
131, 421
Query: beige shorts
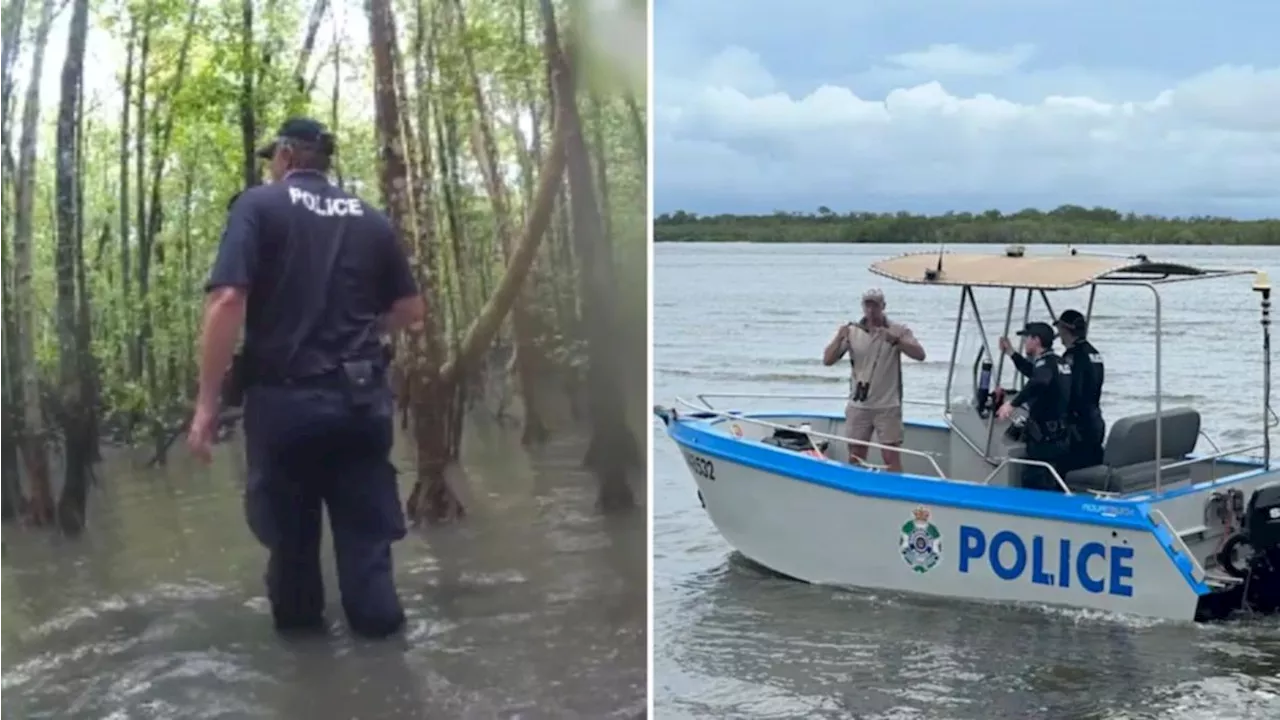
884, 423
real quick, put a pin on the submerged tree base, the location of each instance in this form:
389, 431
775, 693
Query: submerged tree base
78, 474
535, 430
610, 454
14, 501
39, 509
615, 495
433, 500
436, 409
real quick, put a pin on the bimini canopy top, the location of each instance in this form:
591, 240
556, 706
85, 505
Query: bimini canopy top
1047, 272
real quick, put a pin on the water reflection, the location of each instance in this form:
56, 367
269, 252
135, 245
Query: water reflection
757, 645
535, 607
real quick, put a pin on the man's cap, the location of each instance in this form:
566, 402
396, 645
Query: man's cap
301, 129
1073, 321
873, 295
1038, 330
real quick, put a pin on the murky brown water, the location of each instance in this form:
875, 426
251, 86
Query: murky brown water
535, 607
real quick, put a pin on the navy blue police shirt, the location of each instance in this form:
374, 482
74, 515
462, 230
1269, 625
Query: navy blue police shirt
320, 267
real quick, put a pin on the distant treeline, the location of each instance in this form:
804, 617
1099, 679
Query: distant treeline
1066, 224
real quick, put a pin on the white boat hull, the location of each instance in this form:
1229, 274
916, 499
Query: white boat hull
1150, 528
821, 520
823, 535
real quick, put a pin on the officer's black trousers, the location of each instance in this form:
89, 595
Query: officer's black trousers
1090, 431
309, 447
1038, 477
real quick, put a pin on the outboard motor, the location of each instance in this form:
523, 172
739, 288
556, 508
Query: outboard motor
1261, 534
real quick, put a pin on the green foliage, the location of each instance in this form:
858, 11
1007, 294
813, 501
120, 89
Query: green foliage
203, 168
1068, 224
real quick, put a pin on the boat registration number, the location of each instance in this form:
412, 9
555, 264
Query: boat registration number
701, 466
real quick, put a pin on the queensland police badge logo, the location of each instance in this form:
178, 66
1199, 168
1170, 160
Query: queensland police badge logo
921, 542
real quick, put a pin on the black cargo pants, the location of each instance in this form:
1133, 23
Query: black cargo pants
309, 446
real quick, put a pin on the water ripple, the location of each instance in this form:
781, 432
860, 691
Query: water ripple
533, 608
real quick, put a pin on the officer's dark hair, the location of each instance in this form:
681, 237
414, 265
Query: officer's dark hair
1041, 332
316, 156
311, 146
1074, 322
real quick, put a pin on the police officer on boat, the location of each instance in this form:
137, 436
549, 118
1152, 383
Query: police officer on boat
1087, 375
316, 278
1045, 396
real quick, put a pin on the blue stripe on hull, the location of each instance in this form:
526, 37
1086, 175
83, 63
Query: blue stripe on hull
699, 437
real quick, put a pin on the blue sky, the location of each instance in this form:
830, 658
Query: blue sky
935, 105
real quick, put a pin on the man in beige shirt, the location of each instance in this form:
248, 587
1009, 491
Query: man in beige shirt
875, 346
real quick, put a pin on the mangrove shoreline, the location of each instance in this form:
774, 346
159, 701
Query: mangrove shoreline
1065, 225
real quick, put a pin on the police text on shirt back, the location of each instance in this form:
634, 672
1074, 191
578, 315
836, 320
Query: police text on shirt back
326, 206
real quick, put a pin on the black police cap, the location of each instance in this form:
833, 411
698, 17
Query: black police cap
1073, 320
301, 129
1038, 330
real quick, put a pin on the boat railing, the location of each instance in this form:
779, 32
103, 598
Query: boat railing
702, 397
1217, 450
705, 405
1209, 440
1235, 451
1219, 454
1005, 462
1157, 517
1239, 451
957, 431
704, 408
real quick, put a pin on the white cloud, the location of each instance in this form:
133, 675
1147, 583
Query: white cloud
951, 59
740, 70
727, 132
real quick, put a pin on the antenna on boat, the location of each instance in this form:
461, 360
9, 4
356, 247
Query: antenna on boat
1262, 285
936, 273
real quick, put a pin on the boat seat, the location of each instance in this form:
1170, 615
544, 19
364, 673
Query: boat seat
1129, 460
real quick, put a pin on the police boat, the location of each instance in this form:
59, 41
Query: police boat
1157, 530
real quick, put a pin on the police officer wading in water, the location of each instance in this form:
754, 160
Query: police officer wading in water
316, 278
875, 346
1045, 396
